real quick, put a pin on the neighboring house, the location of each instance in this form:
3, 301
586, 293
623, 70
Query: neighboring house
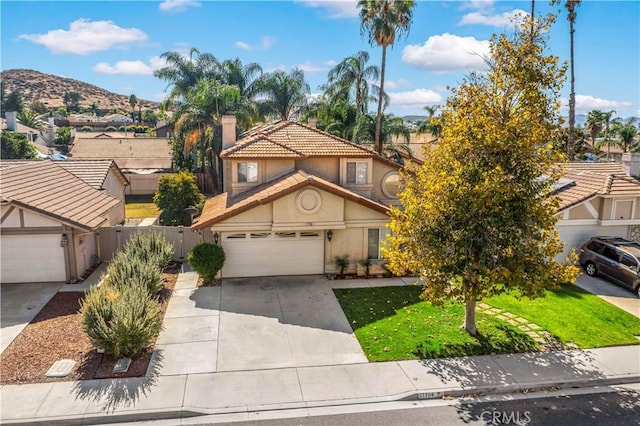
49, 218
117, 118
599, 199
40, 137
295, 198
142, 160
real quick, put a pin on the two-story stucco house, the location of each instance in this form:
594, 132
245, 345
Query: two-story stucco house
295, 198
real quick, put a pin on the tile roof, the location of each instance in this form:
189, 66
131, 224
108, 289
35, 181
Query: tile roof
291, 139
593, 179
45, 187
222, 207
93, 172
127, 152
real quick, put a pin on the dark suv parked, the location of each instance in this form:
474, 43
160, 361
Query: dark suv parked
613, 258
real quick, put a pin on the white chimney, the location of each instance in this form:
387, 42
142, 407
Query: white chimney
12, 121
313, 122
52, 130
631, 163
228, 131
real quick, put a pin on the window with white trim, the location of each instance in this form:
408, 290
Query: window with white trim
357, 172
247, 172
374, 242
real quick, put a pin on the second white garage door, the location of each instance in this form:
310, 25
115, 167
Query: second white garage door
575, 236
256, 254
32, 259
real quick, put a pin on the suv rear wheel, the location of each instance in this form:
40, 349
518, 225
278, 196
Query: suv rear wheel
590, 269
638, 291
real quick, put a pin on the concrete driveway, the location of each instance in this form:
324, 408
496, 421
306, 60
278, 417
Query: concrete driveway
254, 324
612, 293
20, 303
277, 322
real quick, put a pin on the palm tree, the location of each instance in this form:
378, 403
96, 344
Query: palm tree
30, 119
392, 129
183, 73
595, 120
606, 122
383, 21
94, 108
433, 123
282, 94
352, 74
197, 119
626, 131
133, 101
247, 78
571, 5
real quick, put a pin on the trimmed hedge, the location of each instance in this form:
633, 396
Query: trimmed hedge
207, 259
124, 272
150, 247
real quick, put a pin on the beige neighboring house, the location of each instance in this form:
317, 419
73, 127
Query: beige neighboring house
49, 217
142, 160
36, 136
295, 198
599, 199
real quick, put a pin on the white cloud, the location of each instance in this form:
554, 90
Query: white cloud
446, 53
266, 43
477, 4
130, 67
85, 37
177, 5
242, 45
394, 84
414, 98
334, 8
586, 103
506, 19
331, 63
160, 96
273, 68
311, 68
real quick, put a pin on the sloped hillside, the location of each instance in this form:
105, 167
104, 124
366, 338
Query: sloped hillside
50, 89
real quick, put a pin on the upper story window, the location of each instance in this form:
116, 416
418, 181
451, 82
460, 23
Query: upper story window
390, 185
357, 172
247, 172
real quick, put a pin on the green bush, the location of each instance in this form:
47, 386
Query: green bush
207, 259
86, 128
124, 271
366, 264
111, 129
121, 321
122, 128
342, 263
177, 192
149, 247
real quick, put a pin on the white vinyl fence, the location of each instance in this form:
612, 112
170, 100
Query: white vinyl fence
112, 239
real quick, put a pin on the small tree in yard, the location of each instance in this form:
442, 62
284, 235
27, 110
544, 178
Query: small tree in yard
207, 260
175, 194
477, 219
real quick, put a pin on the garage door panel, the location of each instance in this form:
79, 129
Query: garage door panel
253, 257
32, 258
575, 236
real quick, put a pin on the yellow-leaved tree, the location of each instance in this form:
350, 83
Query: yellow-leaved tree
477, 218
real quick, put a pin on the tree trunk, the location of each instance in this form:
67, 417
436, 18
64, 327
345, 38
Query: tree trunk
378, 142
470, 317
572, 96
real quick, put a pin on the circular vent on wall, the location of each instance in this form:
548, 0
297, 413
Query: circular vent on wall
308, 201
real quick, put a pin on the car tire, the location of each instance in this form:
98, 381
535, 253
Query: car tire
590, 269
638, 291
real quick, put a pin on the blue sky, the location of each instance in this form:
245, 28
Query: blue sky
116, 44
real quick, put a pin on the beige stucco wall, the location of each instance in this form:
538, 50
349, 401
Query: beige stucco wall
286, 209
380, 171
13, 219
276, 168
85, 250
143, 184
259, 214
326, 168
29, 219
114, 186
608, 207
580, 212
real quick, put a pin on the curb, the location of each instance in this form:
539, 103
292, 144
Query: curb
419, 395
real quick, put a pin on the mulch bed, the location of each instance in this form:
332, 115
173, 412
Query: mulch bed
56, 333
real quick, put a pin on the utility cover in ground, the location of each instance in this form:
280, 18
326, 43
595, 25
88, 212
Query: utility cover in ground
61, 368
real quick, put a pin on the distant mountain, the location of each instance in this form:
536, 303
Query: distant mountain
414, 118
50, 89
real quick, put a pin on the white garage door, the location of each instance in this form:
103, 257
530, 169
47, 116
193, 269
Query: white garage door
255, 254
575, 236
32, 259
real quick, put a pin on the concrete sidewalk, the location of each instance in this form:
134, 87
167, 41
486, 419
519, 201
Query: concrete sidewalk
183, 385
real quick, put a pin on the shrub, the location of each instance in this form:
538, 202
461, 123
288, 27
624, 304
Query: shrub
121, 321
110, 129
86, 128
122, 128
342, 263
175, 194
149, 247
207, 259
124, 271
366, 264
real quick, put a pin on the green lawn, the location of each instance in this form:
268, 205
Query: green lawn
140, 206
392, 323
574, 315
